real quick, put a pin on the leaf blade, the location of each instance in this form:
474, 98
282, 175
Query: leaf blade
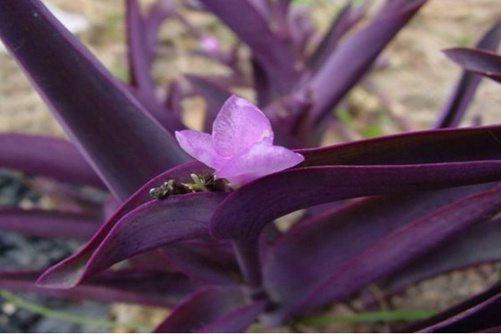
97, 112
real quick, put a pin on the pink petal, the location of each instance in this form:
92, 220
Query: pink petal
260, 160
198, 145
238, 126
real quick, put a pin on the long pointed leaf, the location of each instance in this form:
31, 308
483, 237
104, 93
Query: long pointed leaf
153, 224
50, 224
140, 60
349, 63
146, 287
140, 56
422, 156
271, 51
485, 63
218, 309
444, 145
46, 156
349, 15
245, 212
367, 221
465, 89
395, 251
477, 245
79, 259
211, 262
214, 94
123, 144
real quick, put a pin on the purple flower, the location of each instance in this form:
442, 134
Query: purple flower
240, 148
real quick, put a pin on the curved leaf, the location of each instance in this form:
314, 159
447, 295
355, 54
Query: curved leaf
217, 309
366, 220
158, 13
420, 147
215, 95
140, 55
123, 144
46, 156
140, 61
145, 287
211, 262
347, 17
50, 224
151, 225
244, 213
393, 252
252, 28
465, 89
477, 245
485, 63
70, 269
350, 63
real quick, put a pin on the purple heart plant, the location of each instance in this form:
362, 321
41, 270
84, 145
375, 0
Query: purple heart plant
200, 236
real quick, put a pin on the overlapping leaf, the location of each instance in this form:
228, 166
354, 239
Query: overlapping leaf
474, 246
253, 29
217, 309
465, 89
393, 252
140, 55
47, 157
178, 218
348, 16
401, 163
146, 287
349, 64
481, 62
47, 223
211, 262
367, 221
140, 60
99, 114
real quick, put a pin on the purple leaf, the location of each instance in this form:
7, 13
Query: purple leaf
244, 213
146, 287
349, 64
393, 252
69, 198
50, 224
333, 231
261, 84
140, 55
484, 63
70, 269
477, 314
241, 146
477, 245
211, 262
465, 89
347, 17
158, 13
444, 145
46, 156
97, 112
217, 309
425, 155
253, 29
151, 225
140, 59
